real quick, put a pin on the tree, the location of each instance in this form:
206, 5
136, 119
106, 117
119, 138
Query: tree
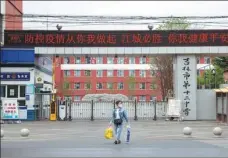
131, 85
111, 85
222, 62
210, 79
88, 85
63, 88
164, 64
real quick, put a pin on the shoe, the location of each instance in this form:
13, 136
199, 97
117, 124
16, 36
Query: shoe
119, 142
115, 142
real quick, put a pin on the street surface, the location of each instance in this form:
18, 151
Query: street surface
86, 139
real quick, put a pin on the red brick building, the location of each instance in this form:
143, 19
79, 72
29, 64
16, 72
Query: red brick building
203, 63
225, 75
133, 82
13, 7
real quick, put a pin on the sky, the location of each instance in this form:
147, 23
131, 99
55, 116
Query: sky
121, 8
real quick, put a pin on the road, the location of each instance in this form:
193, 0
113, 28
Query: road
86, 139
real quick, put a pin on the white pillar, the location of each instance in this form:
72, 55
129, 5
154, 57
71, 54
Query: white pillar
185, 84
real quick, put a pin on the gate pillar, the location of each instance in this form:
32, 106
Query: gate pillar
185, 84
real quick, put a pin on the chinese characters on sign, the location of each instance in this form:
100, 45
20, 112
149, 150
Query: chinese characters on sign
116, 38
186, 74
15, 76
10, 109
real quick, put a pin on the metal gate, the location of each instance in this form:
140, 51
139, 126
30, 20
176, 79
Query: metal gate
42, 106
95, 110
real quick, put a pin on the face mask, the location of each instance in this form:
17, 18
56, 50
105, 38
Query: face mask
120, 105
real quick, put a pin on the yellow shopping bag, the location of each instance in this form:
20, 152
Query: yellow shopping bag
109, 133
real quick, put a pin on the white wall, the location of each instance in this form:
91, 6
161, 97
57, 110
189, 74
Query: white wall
105, 67
206, 105
218, 50
45, 76
120, 66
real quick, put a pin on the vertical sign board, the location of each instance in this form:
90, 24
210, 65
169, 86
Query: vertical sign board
10, 109
186, 73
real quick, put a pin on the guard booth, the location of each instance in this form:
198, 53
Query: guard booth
222, 105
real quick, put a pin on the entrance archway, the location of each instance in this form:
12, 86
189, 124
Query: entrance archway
183, 45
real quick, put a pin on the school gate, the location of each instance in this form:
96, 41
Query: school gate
183, 45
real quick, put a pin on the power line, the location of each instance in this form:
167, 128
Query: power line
116, 17
74, 20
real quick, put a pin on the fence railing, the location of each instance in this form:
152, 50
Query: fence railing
97, 110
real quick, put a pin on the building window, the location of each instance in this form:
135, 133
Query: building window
142, 73
152, 98
142, 60
87, 85
77, 98
120, 85
12, 91
142, 98
131, 86
67, 98
88, 60
198, 60
99, 73
87, 73
77, 60
142, 85
66, 60
110, 60
153, 86
120, 73
3, 91
131, 60
77, 73
132, 73
66, 85
77, 85
110, 73
99, 60
120, 60
66, 73
109, 85
21, 102
207, 60
132, 97
152, 73
99, 86
22, 91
